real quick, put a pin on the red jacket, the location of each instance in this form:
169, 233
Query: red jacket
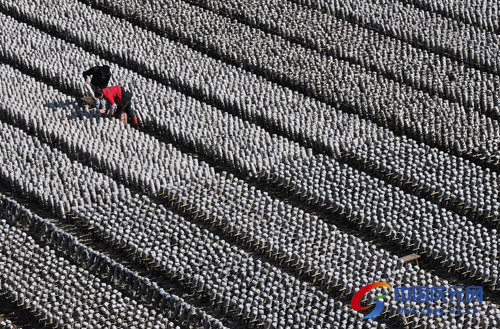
113, 95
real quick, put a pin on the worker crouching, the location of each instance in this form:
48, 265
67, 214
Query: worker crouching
100, 79
118, 101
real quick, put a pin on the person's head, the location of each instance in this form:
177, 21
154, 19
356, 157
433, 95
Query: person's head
98, 93
105, 70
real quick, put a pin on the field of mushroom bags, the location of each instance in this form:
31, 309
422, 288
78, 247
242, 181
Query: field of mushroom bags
290, 153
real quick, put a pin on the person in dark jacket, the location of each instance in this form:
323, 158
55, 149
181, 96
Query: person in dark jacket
120, 100
100, 79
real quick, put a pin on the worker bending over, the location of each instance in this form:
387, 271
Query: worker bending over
120, 100
100, 79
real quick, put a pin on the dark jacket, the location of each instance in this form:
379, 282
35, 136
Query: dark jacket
98, 79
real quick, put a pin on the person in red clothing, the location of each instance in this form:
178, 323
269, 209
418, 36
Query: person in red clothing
120, 100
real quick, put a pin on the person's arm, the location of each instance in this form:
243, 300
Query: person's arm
91, 71
111, 102
112, 110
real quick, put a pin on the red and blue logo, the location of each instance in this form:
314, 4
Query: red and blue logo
379, 305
